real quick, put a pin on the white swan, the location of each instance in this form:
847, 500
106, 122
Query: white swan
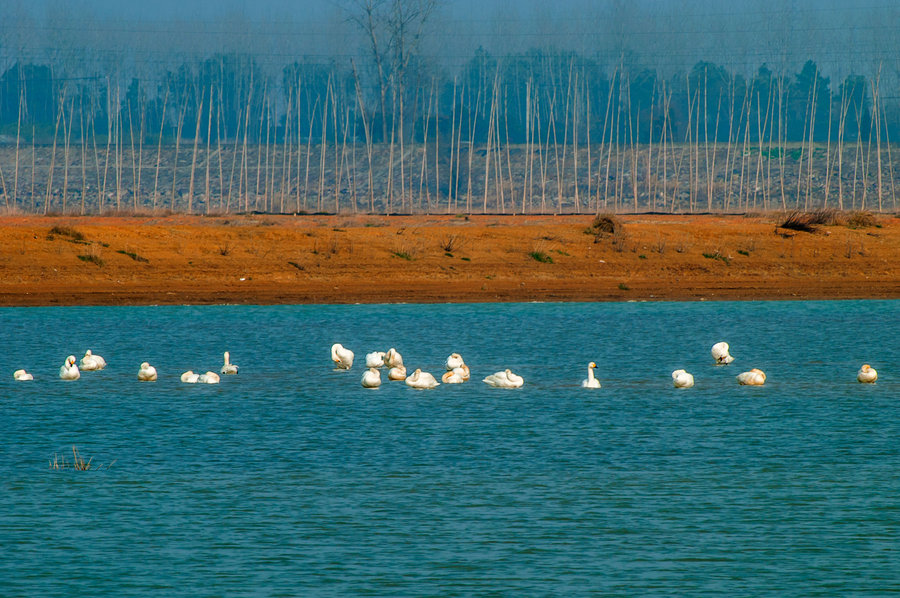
189, 377
371, 378
590, 381
681, 379
454, 376
228, 367
342, 357
454, 361
398, 372
375, 359
720, 353
147, 373
505, 379
393, 358
867, 374
420, 379
754, 377
208, 378
92, 362
69, 371
22, 375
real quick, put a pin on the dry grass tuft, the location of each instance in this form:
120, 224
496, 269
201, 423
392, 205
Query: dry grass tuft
827, 217
451, 243
810, 221
608, 226
79, 464
861, 219
405, 250
799, 221
540, 253
65, 231
605, 225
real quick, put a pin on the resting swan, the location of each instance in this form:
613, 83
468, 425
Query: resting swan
398, 372
720, 353
22, 375
590, 381
454, 376
375, 359
342, 358
454, 361
371, 378
754, 377
189, 377
92, 362
505, 379
867, 374
228, 367
69, 371
681, 379
420, 379
208, 378
392, 358
147, 373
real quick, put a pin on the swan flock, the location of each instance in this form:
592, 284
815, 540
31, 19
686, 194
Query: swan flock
457, 371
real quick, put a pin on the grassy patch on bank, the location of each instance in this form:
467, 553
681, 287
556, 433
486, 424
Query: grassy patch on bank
65, 231
92, 259
717, 255
133, 255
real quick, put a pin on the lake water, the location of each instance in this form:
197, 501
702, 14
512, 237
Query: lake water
290, 479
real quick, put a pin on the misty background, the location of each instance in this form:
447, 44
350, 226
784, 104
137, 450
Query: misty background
448, 105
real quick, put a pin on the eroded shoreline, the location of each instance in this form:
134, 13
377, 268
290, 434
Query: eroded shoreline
262, 259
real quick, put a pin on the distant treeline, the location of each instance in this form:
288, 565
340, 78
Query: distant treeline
515, 99
541, 130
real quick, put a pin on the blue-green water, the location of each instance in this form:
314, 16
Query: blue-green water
290, 479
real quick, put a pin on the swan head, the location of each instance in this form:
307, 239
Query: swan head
88, 353
865, 368
70, 360
145, 365
677, 373
592, 365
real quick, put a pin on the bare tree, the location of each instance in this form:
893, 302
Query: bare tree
393, 31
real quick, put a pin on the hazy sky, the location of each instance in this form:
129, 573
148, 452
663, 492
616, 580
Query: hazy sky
841, 35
